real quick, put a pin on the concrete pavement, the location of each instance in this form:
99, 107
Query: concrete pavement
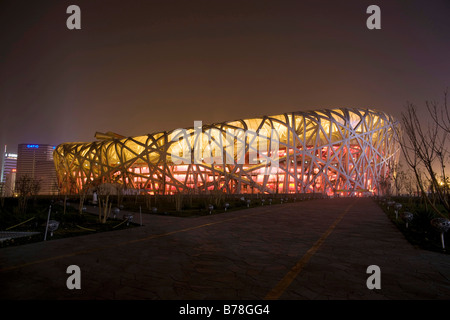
310, 250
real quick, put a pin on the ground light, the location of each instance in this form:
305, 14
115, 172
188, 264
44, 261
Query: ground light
407, 217
442, 225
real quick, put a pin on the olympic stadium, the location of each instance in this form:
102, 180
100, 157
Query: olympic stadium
345, 151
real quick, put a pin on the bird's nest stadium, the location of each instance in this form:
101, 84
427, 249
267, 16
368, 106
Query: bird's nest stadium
346, 151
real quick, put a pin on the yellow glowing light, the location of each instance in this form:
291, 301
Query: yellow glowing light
318, 151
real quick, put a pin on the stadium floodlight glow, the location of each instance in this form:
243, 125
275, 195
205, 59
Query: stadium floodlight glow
342, 150
210, 146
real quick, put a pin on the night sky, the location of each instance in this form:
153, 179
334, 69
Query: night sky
139, 67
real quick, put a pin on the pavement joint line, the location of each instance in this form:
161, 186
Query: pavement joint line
286, 281
127, 242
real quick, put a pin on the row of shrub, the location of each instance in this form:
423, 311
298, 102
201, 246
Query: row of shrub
419, 231
64, 209
71, 222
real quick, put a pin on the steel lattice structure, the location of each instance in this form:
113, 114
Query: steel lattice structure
328, 151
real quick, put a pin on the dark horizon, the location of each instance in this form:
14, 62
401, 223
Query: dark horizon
146, 66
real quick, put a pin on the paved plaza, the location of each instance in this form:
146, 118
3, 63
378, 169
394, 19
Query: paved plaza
311, 250
6, 235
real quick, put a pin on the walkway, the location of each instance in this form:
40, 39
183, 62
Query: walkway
317, 249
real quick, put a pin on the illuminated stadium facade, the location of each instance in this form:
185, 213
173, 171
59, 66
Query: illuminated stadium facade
343, 151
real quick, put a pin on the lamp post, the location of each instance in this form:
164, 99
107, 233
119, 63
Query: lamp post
442, 225
48, 219
115, 211
397, 207
407, 217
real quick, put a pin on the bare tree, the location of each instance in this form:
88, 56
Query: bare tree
119, 188
148, 201
399, 177
67, 186
384, 183
82, 194
178, 197
410, 183
26, 187
440, 113
426, 152
218, 197
104, 201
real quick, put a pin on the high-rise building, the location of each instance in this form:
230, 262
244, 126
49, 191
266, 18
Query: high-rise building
10, 183
9, 162
36, 162
8, 165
